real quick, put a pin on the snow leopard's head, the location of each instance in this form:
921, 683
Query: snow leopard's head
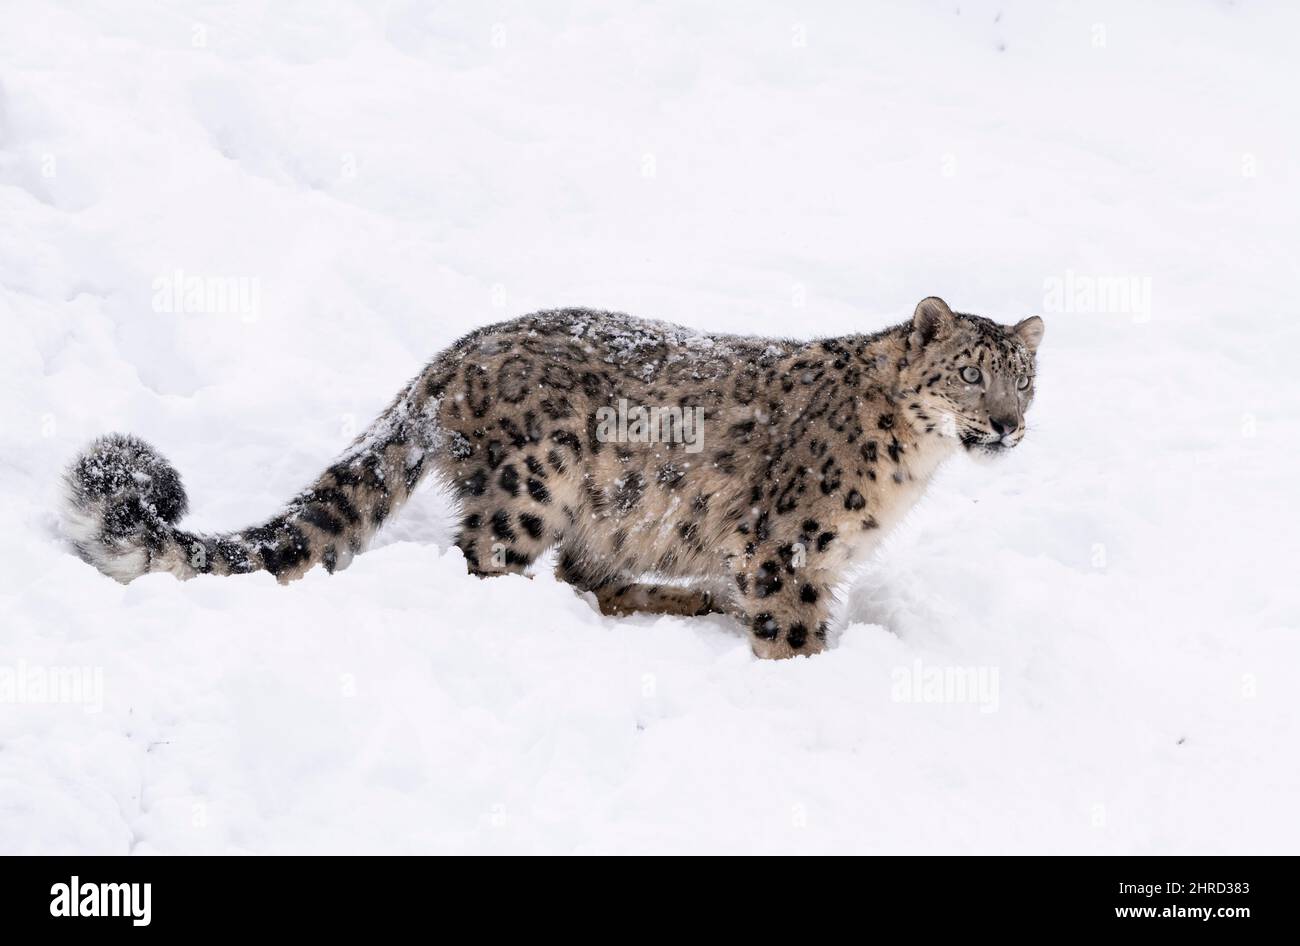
969, 377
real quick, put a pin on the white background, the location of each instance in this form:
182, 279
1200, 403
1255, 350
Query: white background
390, 175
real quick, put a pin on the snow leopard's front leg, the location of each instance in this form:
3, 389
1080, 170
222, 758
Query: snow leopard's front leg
784, 604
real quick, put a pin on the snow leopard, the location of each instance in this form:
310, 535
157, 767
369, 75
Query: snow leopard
671, 471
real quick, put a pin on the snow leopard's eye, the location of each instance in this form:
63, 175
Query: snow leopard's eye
970, 374
1023, 383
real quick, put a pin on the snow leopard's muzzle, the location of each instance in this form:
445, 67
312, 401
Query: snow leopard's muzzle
1001, 438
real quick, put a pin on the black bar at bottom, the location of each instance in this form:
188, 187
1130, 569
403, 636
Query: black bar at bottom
341, 895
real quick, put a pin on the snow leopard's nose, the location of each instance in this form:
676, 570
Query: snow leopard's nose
1004, 427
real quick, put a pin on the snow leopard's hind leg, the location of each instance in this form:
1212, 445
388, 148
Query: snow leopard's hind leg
620, 594
512, 457
499, 538
649, 598
513, 507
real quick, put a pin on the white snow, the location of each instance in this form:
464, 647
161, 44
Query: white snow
355, 185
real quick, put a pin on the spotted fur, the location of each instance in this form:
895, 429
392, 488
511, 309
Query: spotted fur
812, 451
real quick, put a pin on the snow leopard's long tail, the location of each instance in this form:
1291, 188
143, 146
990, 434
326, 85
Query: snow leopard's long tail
122, 502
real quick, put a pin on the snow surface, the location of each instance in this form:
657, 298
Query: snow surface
388, 176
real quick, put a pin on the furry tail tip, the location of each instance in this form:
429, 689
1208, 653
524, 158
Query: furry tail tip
120, 501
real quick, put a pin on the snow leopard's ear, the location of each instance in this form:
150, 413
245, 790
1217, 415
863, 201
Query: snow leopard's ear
1029, 331
932, 319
